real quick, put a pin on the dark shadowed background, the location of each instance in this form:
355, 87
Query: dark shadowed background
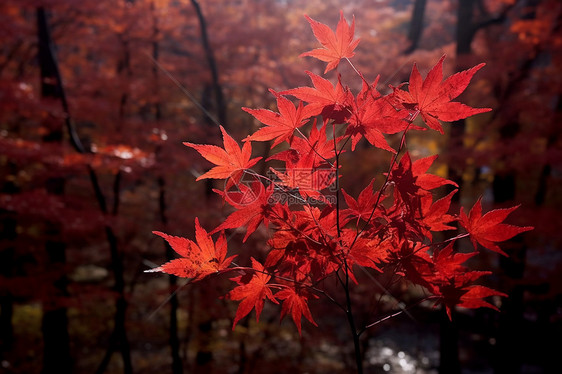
96, 98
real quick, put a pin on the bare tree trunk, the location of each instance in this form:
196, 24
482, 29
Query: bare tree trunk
416, 25
119, 336
509, 346
8, 224
124, 66
177, 365
220, 104
118, 339
54, 324
448, 337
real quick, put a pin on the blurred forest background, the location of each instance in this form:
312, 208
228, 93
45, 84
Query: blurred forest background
96, 97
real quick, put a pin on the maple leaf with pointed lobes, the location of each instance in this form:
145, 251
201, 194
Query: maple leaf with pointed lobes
365, 251
488, 229
434, 215
362, 208
337, 45
428, 181
295, 302
309, 182
198, 259
372, 116
332, 102
451, 281
252, 290
279, 126
231, 161
410, 176
432, 96
252, 210
412, 262
403, 177
311, 152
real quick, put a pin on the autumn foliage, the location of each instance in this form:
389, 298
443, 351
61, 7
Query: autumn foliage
317, 230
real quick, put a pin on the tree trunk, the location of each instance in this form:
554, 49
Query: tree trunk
465, 26
8, 224
416, 25
449, 348
54, 325
510, 346
56, 340
220, 104
177, 365
448, 338
118, 339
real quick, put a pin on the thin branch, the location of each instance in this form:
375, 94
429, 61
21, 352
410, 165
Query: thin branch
404, 310
184, 90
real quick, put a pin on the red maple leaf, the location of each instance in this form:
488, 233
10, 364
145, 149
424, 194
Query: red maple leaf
403, 177
434, 215
365, 251
252, 208
432, 97
428, 181
363, 207
309, 153
230, 161
411, 260
372, 116
332, 102
198, 259
448, 264
452, 282
279, 126
337, 45
295, 302
410, 177
308, 182
252, 290
488, 229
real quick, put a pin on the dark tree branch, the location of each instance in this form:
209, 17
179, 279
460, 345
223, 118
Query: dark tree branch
47, 52
10, 55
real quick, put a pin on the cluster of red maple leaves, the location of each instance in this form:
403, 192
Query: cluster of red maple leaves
313, 237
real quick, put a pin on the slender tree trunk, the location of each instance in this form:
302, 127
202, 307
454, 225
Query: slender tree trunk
118, 339
124, 68
448, 337
449, 348
510, 346
8, 224
204, 357
6, 326
416, 25
174, 341
508, 350
220, 104
119, 336
465, 26
54, 325
177, 366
